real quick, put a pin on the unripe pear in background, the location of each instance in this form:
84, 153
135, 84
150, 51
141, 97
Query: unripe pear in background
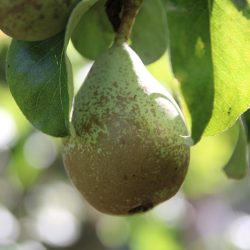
129, 151
34, 20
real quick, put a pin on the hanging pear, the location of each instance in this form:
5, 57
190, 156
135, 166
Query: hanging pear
129, 152
34, 20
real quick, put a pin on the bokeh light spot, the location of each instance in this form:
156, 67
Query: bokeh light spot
57, 226
9, 227
8, 131
31, 245
239, 232
39, 150
172, 210
113, 232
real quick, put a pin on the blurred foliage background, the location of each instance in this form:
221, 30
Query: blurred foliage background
41, 210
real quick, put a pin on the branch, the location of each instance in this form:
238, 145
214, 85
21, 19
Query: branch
129, 13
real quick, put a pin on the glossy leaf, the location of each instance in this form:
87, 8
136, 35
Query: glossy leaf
40, 78
238, 164
37, 77
191, 58
150, 34
94, 33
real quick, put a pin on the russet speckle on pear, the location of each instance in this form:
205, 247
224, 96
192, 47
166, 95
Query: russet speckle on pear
34, 20
128, 153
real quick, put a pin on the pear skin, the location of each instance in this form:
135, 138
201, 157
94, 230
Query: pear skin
34, 20
129, 151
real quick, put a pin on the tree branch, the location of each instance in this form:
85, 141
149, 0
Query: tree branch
130, 9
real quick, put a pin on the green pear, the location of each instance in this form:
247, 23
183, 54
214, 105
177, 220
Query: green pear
34, 20
129, 151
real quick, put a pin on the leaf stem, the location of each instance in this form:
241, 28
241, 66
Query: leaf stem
129, 13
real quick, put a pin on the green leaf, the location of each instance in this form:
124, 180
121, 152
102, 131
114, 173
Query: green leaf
3, 53
75, 17
238, 164
247, 123
94, 33
150, 34
40, 78
37, 76
230, 36
210, 44
191, 58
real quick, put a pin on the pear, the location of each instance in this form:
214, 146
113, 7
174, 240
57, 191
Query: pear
129, 151
34, 20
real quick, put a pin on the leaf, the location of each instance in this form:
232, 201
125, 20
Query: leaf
75, 17
210, 44
238, 164
191, 58
94, 33
150, 34
40, 78
230, 36
37, 77
3, 53
247, 123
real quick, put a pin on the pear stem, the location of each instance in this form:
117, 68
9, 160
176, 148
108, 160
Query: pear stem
129, 13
